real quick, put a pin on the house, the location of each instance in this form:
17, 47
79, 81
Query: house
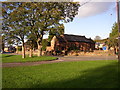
69, 42
10, 49
101, 46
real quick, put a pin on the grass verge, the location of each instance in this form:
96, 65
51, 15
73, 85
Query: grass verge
79, 74
18, 58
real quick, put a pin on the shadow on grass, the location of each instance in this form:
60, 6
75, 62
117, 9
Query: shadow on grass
103, 77
8, 56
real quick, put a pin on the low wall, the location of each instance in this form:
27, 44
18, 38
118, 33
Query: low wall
73, 53
94, 53
27, 52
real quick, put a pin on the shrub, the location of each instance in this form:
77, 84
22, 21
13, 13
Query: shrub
19, 48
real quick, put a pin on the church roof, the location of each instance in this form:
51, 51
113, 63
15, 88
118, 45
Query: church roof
73, 38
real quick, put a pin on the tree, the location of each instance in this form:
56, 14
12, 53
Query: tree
113, 37
31, 42
58, 30
44, 16
44, 44
2, 43
97, 38
36, 18
14, 22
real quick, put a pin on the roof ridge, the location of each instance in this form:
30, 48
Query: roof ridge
74, 38
74, 35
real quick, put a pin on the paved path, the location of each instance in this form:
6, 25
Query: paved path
61, 59
28, 63
86, 58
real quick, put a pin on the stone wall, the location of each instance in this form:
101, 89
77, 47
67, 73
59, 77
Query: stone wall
95, 53
27, 52
77, 53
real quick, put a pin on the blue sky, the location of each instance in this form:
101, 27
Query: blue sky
94, 19
93, 23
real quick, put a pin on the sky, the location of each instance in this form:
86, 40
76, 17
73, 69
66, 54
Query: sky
93, 19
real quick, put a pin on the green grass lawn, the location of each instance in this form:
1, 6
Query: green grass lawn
18, 58
79, 74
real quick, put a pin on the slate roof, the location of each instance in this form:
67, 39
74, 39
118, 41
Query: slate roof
61, 39
73, 38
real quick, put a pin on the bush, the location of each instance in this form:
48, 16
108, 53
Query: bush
76, 54
19, 48
44, 44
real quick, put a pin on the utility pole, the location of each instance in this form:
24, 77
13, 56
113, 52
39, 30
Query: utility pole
118, 21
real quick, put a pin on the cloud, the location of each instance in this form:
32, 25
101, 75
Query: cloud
93, 8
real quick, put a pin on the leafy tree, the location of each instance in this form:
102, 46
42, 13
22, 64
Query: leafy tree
32, 43
2, 43
58, 30
44, 44
21, 18
44, 16
14, 22
113, 37
97, 38
114, 33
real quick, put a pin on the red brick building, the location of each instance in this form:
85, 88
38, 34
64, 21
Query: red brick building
71, 42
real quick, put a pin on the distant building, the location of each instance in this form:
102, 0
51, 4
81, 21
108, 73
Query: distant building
68, 42
101, 46
10, 49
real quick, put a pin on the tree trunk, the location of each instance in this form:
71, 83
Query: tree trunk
23, 50
39, 43
31, 53
33, 49
39, 50
115, 50
17, 49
